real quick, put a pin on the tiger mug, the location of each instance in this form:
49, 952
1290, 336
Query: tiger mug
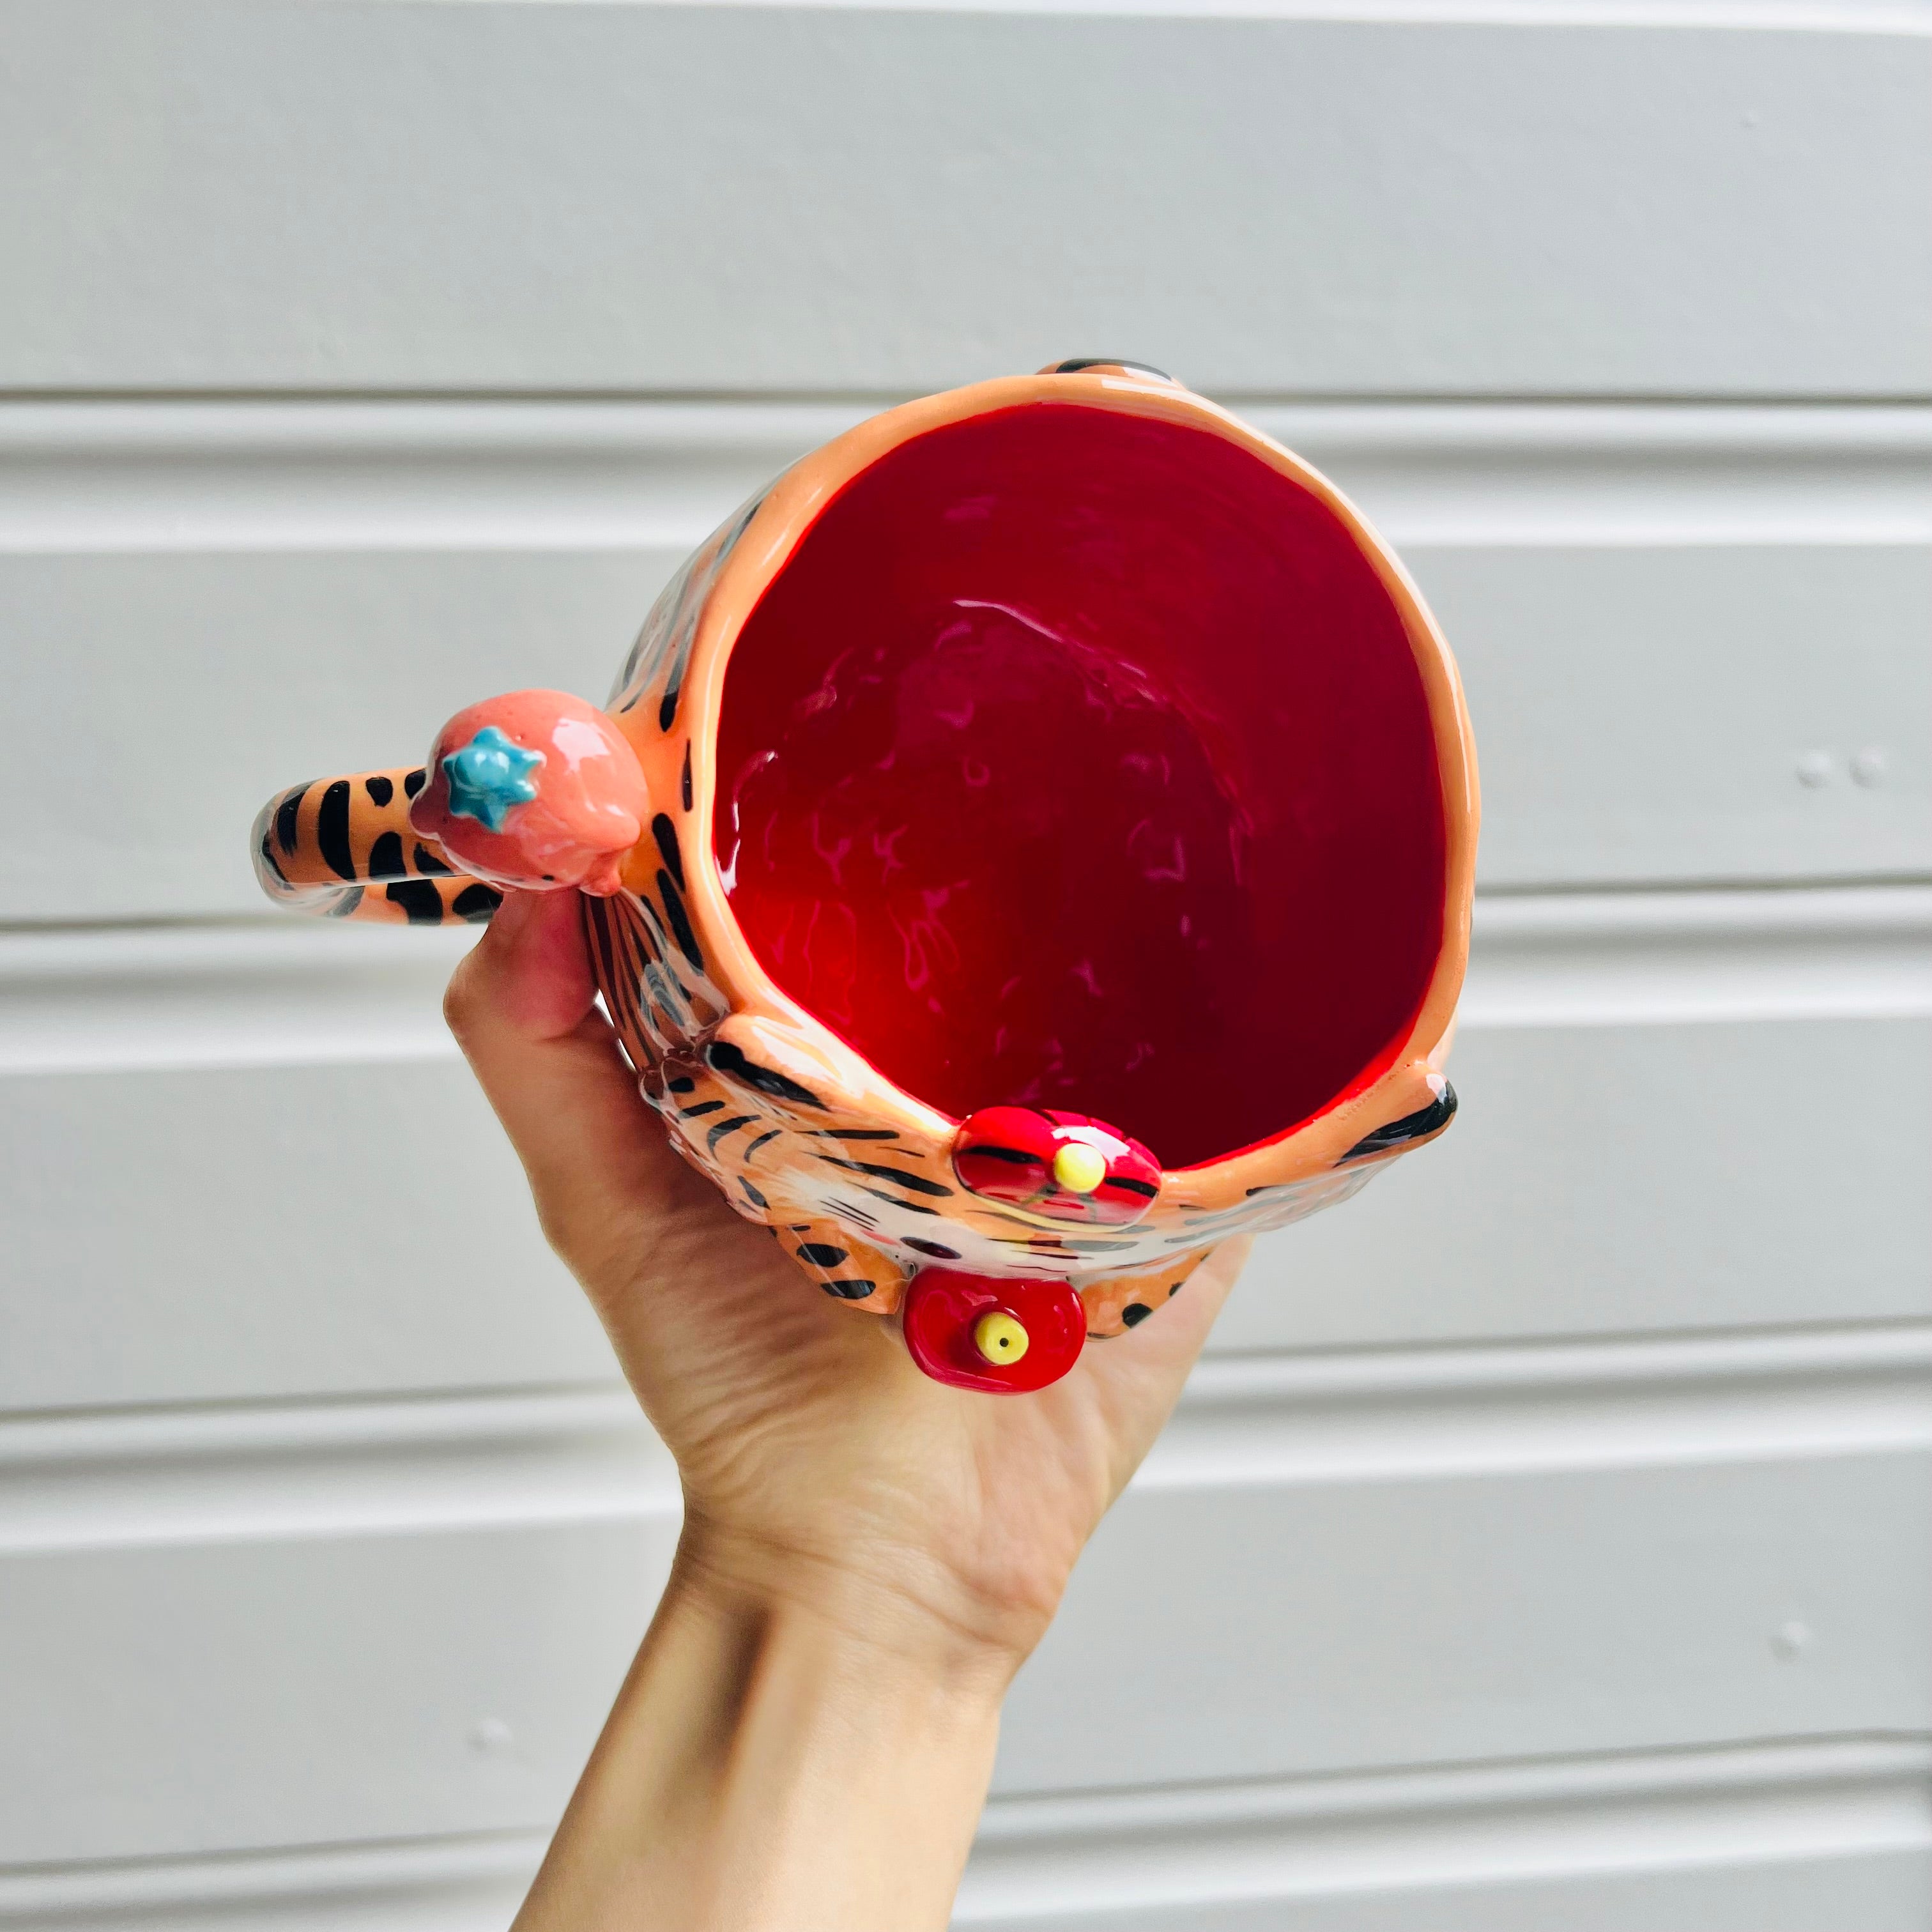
1029, 843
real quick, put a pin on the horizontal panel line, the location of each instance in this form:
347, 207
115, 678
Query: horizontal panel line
1885, 17
1769, 1762
1754, 1804
340, 475
1538, 1407
320, 395
1609, 958
399, 1874
1759, 1804
188, 423
1612, 892
294, 992
1619, 1357
449, 1462
467, 1461
257, 993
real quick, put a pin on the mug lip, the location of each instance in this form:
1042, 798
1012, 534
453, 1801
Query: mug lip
785, 516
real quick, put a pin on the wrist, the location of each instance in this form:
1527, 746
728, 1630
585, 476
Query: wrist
900, 1613
796, 1749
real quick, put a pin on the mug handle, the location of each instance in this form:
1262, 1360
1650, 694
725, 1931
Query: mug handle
344, 848
535, 789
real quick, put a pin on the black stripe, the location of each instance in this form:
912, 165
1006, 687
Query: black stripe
1120, 1181
685, 783
751, 1194
665, 833
476, 903
681, 1085
1018, 1156
686, 635
852, 1133
331, 830
611, 943
691, 611
917, 1183
269, 859
421, 901
642, 934
911, 1207
379, 788
1073, 368
414, 782
664, 996
772, 1135
653, 926
937, 1249
849, 1291
385, 858
730, 1060
684, 629
1428, 1120
285, 818
725, 1127
598, 918
703, 1107
821, 1254
680, 921
427, 862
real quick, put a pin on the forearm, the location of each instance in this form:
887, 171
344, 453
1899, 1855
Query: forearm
780, 1759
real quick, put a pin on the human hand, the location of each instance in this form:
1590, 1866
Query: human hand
818, 1463
805, 1741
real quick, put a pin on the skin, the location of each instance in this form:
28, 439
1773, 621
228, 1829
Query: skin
804, 1741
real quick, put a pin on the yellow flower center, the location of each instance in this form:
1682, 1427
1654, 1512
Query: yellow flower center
1079, 1168
999, 1337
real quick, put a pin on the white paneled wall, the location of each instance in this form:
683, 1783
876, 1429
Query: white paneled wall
1547, 1539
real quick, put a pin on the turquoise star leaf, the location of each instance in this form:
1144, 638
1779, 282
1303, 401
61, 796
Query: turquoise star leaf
488, 776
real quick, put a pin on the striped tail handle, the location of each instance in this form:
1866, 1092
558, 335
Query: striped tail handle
536, 790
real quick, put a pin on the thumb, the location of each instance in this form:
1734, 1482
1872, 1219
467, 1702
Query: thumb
522, 1006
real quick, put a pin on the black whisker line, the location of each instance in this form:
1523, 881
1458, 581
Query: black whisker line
917, 1183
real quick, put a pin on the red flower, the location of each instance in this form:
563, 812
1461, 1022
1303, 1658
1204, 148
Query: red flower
1068, 1166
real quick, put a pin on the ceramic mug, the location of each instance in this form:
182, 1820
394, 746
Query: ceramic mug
1029, 843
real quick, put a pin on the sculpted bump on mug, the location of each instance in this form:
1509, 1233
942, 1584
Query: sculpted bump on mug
1029, 843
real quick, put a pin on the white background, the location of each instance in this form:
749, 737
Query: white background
1545, 1540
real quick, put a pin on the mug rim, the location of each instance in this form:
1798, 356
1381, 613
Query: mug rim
786, 514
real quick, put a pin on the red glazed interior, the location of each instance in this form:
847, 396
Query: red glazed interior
1080, 758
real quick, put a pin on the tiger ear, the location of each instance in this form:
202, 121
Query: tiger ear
1109, 365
